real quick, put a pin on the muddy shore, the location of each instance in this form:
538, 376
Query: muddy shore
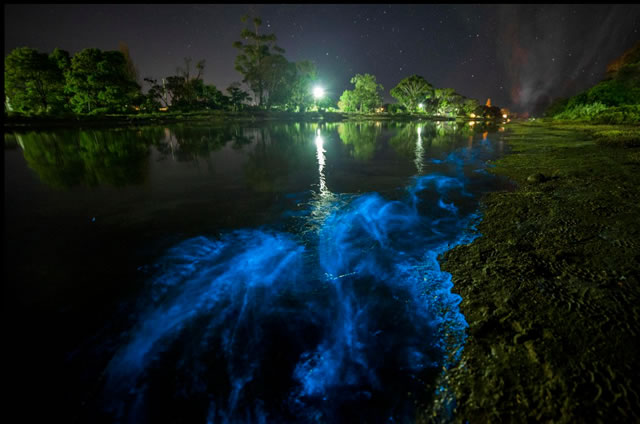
550, 290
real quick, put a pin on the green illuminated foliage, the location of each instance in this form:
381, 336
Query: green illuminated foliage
99, 82
412, 91
33, 81
364, 98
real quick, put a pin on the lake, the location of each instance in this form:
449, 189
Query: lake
249, 272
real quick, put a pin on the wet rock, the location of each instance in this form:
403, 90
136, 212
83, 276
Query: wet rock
536, 178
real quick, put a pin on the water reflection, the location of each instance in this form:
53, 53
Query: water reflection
361, 137
275, 154
67, 158
278, 154
186, 143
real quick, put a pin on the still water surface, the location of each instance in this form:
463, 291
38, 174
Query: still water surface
238, 273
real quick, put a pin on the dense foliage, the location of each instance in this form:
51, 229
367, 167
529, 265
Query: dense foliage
33, 81
412, 91
364, 98
615, 100
92, 81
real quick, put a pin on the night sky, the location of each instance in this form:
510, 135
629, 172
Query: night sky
521, 56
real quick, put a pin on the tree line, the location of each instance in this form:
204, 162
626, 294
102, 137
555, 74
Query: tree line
97, 82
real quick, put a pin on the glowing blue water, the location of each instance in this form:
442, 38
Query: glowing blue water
352, 322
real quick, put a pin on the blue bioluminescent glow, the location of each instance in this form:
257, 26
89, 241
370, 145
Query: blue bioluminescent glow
350, 324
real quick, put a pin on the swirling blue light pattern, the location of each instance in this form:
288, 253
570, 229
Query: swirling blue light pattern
354, 324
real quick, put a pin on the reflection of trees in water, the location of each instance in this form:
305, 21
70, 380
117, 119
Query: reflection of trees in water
279, 150
416, 139
10, 141
407, 136
448, 133
192, 142
362, 137
66, 158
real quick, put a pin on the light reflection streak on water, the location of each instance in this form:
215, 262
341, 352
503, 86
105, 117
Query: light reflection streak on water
324, 192
419, 160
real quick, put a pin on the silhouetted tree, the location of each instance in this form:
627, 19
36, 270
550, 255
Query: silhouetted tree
254, 51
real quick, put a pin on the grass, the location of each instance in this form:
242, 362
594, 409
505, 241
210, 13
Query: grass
550, 290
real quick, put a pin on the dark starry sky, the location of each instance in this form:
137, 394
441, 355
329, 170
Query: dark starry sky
521, 56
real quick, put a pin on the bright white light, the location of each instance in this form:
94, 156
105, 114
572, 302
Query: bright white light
504, 116
318, 92
420, 105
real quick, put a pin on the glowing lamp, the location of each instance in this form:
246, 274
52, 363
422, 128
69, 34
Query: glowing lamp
318, 92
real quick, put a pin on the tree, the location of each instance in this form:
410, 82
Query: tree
251, 61
237, 97
301, 97
347, 102
456, 104
156, 97
33, 81
412, 91
326, 103
132, 70
364, 97
278, 75
366, 92
62, 59
185, 90
98, 80
184, 87
443, 99
210, 97
469, 106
